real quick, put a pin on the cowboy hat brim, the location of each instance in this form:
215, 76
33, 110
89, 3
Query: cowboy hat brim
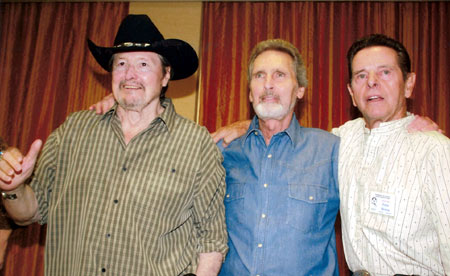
181, 56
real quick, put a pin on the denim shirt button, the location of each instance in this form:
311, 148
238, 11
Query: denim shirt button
265, 185
311, 198
259, 245
269, 156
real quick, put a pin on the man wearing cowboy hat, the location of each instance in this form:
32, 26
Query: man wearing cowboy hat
136, 191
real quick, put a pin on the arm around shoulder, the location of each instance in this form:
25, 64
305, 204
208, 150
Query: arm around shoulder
230, 132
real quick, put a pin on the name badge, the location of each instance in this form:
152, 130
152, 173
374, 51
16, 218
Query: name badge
381, 203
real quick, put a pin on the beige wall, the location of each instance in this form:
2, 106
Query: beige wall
180, 20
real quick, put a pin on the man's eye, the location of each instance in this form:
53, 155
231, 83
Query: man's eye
361, 76
144, 64
386, 72
280, 74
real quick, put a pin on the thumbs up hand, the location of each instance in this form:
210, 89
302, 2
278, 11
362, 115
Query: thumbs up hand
15, 168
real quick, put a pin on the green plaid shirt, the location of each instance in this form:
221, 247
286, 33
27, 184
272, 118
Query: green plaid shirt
146, 208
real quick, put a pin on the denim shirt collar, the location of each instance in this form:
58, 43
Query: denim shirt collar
293, 132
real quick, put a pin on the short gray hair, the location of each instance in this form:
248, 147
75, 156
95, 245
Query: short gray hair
285, 47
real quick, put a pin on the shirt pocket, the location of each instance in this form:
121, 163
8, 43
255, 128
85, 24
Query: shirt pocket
234, 203
307, 204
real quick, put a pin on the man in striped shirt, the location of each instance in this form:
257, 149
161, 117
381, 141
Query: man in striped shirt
394, 185
136, 191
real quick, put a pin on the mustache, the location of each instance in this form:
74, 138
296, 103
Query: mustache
131, 83
268, 93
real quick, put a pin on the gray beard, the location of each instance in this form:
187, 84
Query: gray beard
267, 111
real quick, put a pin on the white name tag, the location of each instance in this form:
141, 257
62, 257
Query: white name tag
381, 203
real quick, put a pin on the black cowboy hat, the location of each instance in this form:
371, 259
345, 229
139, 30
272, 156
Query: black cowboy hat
138, 33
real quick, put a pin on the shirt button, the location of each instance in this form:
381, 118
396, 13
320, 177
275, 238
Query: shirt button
256, 133
124, 169
263, 215
108, 235
116, 201
103, 270
265, 185
259, 245
269, 156
311, 197
228, 195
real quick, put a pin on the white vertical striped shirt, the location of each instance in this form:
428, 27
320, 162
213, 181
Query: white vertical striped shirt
395, 198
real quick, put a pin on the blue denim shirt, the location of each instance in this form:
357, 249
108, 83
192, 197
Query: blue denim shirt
281, 203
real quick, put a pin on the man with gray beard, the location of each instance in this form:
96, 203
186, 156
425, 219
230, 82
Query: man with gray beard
282, 191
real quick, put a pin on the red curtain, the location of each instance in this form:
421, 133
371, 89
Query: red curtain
323, 32
46, 73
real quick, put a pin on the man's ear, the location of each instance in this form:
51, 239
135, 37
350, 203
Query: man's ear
409, 84
166, 77
350, 91
300, 92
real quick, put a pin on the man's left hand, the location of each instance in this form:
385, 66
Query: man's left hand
421, 123
103, 105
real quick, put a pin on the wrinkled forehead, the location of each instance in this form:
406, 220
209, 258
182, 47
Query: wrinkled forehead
270, 59
373, 57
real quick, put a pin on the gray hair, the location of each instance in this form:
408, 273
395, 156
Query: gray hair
285, 47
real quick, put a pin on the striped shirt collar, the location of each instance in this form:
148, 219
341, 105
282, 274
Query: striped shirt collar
387, 127
167, 116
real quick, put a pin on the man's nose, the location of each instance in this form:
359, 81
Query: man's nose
372, 80
268, 83
130, 72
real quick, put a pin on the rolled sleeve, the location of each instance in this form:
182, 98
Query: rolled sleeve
44, 176
209, 210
